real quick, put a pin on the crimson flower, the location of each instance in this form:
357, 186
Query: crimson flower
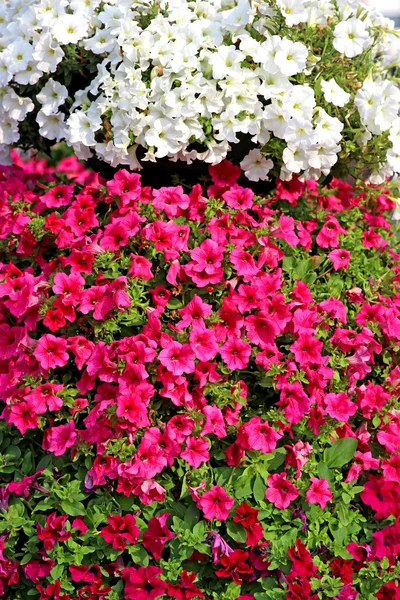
143, 583
120, 530
157, 534
235, 566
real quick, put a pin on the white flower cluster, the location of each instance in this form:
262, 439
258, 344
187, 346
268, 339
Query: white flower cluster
184, 78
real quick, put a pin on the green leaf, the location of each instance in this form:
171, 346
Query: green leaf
259, 488
57, 571
139, 555
174, 303
343, 514
304, 270
325, 473
73, 509
278, 459
231, 592
192, 515
199, 530
340, 453
27, 463
236, 531
287, 263
12, 452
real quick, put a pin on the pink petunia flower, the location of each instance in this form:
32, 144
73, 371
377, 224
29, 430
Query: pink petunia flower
59, 439
204, 343
225, 173
120, 531
143, 583
328, 237
260, 435
140, 267
319, 492
238, 197
44, 398
194, 312
125, 185
196, 452
235, 353
22, 415
340, 259
307, 349
157, 535
171, 200
280, 491
51, 351
216, 504
214, 422
57, 196
285, 231
177, 358
339, 406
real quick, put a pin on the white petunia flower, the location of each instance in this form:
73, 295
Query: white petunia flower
255, 166
17, 56
9, 133
393, 158
295, 159
291, 57
81, 128
48, 53
51, 96
17, 107
164, 136
299, 133
69, 29
276, 118
351, 37
323, 156
334, 93
226, 61
328, 129
52, 126
293, 11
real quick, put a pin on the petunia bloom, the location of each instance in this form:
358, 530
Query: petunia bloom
319, 492
216, 504
280, 491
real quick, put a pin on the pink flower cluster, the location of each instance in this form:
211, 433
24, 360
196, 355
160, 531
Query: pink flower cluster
144, 331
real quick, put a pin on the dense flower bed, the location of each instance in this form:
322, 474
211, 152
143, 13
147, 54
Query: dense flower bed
310, 84
200, 389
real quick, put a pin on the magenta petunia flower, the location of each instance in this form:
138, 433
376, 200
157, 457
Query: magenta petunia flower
214, 422
216, 504
235, 353
143, 583
319, 492
59, 439
339, 406
196, 452
177, 358
340, 259
260, 435
51, 351
280, 491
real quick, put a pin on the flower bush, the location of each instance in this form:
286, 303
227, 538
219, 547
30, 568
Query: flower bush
200, 388
310, 83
